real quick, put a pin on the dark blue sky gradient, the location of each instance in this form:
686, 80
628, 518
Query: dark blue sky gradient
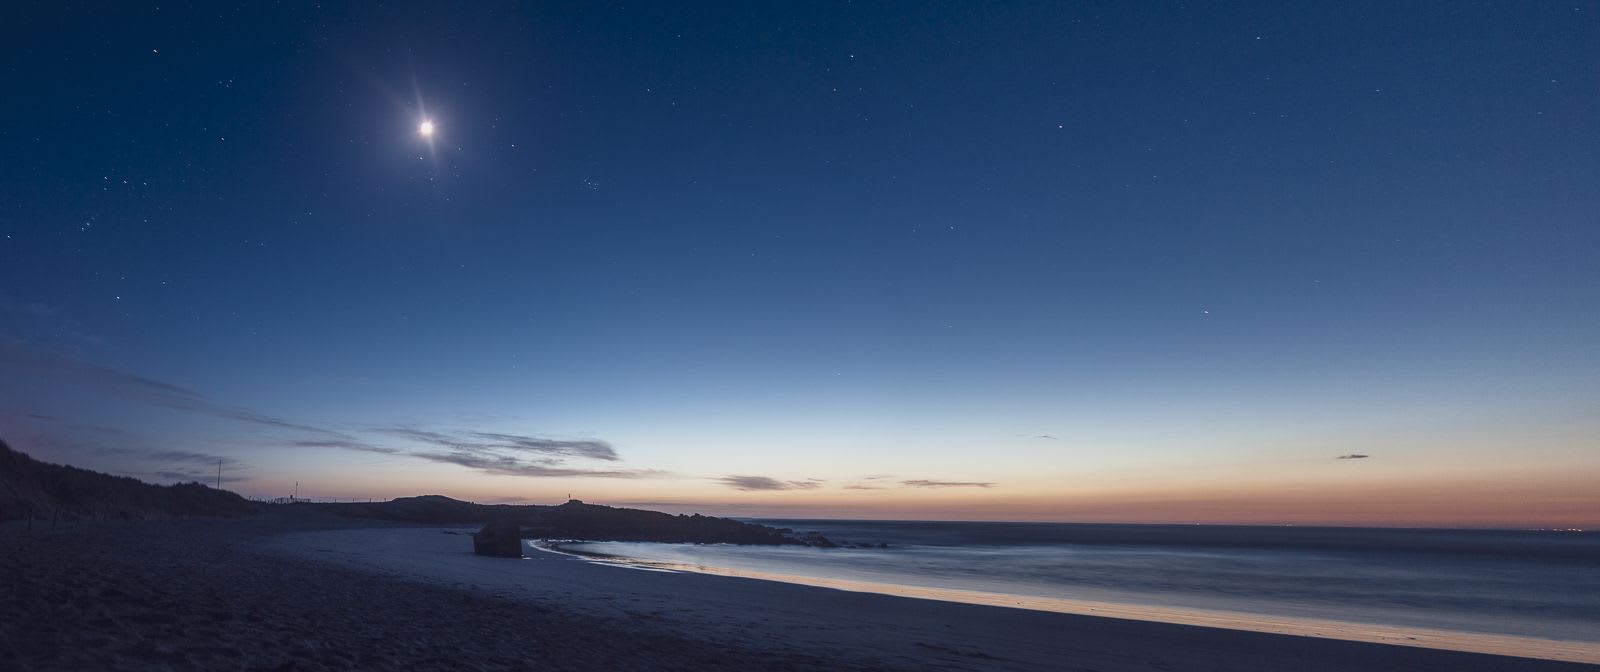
807, 213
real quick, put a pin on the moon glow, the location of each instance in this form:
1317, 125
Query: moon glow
426, 128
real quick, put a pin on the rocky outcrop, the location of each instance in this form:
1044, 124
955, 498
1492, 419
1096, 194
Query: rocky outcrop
500, 539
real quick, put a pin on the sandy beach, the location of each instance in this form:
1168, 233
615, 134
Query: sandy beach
204, 594
297, 592
906, 631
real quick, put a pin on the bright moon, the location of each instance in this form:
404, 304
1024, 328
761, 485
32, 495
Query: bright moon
426, 129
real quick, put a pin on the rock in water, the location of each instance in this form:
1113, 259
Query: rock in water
501, 539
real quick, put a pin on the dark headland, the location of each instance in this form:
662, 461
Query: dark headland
54, 492
576, 520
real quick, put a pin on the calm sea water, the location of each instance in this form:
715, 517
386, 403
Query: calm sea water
1527, 583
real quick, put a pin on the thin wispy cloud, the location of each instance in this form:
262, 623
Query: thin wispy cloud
755, 483
592, 449
58, 367
491, 452
1352, 456
348, 444
191, 457
585, 448
161, 464
502, 453
512, 466
423, 435
245, 415
166, 458
504, 465
920, 483
476, 457
869, 482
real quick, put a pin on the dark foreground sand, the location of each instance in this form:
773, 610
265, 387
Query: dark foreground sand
302, 592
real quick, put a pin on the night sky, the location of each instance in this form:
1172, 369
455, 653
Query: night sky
1049, 261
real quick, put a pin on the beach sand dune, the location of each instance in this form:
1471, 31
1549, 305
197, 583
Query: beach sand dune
306, 592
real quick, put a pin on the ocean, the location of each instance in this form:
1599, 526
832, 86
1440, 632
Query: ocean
1532, 583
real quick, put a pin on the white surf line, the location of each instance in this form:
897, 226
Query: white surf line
625, 563
1428, 638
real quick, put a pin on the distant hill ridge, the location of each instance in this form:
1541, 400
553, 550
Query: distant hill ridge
50, 491
577, 520
55, 491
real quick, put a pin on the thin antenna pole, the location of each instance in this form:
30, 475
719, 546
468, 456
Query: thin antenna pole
219, 473
296, 491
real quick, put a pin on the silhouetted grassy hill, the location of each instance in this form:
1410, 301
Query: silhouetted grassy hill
51, 490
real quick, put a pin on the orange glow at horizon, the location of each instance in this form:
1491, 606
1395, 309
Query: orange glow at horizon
1536, 499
